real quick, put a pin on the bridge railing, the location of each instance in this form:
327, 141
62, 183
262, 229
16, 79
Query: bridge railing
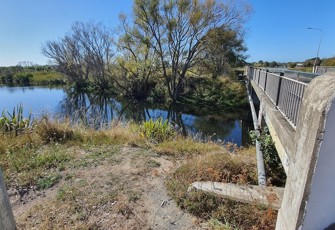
285, 93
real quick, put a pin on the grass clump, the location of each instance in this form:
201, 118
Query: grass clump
54, 131
239, 168
116, 134
157, 131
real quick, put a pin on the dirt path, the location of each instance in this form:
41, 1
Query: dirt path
123, 190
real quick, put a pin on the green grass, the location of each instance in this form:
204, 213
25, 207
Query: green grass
48, 181
47, 78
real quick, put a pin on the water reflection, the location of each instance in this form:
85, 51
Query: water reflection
97, 110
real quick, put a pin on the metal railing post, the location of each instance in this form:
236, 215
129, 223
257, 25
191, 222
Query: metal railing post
266, 78
279, 86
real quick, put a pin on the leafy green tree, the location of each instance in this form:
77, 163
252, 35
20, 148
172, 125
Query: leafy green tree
273, 64
177, 29
328, 62
223, 49
137, 61
292, 64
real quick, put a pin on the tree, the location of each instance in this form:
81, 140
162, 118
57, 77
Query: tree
137, 60
177, 29
67, 54
222, 50
85, 56
292, 65
273, 64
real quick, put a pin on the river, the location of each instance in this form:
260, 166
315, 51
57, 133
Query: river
96, 110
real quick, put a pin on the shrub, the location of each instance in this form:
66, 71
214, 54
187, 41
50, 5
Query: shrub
14, 122
158, 130
23, 79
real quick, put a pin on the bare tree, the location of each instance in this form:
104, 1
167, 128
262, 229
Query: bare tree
66, 54
85, 56
177, 29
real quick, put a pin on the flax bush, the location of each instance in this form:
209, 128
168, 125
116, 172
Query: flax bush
157, 131
14, 122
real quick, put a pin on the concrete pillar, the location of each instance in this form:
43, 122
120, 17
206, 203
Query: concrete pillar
309, 201
6, 215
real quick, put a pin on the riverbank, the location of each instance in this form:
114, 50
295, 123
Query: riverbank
59, 175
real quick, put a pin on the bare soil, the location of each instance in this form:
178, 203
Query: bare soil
114, 190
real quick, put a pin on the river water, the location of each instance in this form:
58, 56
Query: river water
97, 110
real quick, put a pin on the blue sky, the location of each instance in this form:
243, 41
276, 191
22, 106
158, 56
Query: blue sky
276, 30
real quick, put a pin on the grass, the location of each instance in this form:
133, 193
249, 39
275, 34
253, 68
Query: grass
157, 131
51, 146
56, 154
185, 146
239, 168
47, 78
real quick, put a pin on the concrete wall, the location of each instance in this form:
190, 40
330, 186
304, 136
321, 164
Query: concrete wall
325, 69
309, 201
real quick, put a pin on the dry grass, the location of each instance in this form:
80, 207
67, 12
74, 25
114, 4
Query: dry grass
185, 146
50, 146
57, 154
240, 168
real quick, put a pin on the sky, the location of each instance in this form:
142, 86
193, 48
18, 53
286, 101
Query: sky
276, 29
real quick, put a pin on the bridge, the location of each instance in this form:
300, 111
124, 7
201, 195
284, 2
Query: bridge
300, 115
299, 111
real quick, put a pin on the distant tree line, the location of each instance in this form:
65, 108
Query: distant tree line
157, 50
306, 63
25, 74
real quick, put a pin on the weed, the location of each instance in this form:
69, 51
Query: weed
48, 181
153, 164
215, 224
274, 168
133, 196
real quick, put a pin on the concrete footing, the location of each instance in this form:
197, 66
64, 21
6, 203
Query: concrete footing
268, 196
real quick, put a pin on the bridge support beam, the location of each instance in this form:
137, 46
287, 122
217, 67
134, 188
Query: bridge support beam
308, 201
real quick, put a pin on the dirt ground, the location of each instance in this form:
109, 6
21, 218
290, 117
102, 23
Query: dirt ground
121, 189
